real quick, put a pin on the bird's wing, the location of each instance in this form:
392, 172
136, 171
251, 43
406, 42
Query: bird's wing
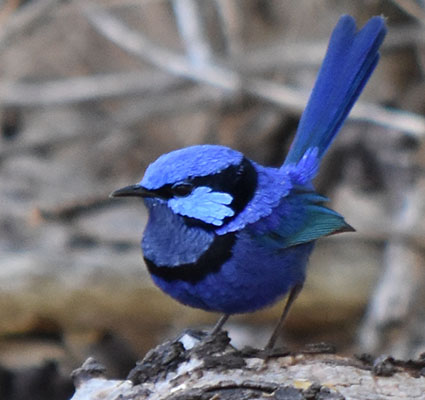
299, 218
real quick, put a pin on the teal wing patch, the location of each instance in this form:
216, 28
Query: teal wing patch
321, 221
303, 220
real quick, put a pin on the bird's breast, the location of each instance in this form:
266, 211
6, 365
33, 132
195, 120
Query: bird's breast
176, 250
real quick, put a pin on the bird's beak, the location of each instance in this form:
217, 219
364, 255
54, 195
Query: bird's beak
133, 191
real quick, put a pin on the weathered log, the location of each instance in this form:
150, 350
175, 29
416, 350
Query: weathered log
209, 368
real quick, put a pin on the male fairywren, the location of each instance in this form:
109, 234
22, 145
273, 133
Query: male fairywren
226, 234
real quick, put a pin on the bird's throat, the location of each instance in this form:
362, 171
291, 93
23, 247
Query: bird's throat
175, 250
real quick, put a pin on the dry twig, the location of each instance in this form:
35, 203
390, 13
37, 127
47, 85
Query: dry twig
227, 79
90, 88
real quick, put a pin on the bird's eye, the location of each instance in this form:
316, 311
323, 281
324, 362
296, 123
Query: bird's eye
182, 189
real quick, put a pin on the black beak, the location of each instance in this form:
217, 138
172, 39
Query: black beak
133, 191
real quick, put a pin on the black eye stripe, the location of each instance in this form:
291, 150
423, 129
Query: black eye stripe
182, 189
240, 181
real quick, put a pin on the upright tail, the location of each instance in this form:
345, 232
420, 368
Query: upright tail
350, 60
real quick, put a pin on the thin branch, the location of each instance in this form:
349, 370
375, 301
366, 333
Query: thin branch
192, 31
227, 79
176, 101
134, 43
25, 18
229, 12
394, 295
412, 8
98, 87
194, 98
90, 88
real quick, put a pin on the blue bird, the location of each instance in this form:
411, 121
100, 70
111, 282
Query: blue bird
228, 235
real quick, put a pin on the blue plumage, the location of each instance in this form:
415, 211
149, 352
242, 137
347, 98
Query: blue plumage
350, 60
204, 204
226, 234
187, 163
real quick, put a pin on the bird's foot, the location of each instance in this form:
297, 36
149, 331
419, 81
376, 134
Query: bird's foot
204, 342
266, 353
213, 343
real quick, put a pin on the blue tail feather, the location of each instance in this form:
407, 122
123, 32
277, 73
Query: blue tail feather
350, 60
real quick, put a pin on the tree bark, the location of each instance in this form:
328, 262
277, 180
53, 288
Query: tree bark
189, 368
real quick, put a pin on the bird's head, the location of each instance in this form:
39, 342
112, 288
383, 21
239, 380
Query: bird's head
206, 183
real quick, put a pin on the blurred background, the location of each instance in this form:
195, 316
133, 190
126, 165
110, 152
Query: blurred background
93, 91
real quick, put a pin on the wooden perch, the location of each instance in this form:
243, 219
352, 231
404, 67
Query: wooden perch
189, 368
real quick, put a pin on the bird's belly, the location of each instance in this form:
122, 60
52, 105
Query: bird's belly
252, 278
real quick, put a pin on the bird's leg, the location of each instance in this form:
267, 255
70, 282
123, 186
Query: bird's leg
219, 324
291, 298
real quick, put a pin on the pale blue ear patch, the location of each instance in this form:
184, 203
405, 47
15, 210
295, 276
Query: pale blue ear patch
204, 204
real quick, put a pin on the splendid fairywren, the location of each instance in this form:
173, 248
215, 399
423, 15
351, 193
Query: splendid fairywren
226, 234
